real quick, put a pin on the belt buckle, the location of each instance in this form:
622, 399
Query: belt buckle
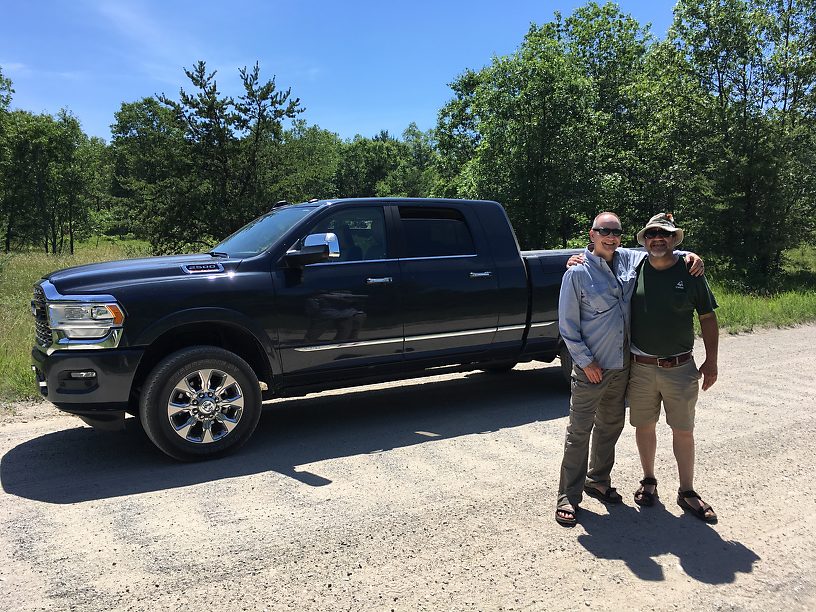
666, 363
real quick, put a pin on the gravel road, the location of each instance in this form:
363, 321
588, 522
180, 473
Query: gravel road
434, 494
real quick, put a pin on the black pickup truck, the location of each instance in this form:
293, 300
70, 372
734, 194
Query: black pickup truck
308, 297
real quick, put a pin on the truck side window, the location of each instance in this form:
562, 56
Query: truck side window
360, 232
435, 232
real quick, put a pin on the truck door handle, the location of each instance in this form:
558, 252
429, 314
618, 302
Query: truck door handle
480, 274
379, 281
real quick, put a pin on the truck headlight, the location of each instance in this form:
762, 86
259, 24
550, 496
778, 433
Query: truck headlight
85, 321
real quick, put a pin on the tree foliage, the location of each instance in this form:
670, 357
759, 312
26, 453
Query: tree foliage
714, 123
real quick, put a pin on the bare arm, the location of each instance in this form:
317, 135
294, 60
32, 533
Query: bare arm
694, 263
711, 339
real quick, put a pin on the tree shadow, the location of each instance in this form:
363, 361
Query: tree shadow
638, 537
82, 464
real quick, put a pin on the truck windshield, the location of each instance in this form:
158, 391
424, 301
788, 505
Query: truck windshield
258, 235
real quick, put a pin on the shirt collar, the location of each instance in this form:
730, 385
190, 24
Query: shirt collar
598, 261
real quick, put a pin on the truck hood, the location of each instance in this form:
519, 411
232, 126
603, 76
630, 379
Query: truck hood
107, 276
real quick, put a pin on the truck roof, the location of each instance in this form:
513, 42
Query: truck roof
393, 200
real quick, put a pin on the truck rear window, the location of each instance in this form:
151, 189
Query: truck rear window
435, 232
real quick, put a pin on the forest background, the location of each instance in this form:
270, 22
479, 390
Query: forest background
714, 123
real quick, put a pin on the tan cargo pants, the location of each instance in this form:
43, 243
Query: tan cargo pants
597, 410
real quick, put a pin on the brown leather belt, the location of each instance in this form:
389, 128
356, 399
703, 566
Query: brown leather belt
661, 362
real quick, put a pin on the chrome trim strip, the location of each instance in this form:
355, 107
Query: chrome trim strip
60, 342
546, 324
342, 345
511, 328
52, 295
437, 257
469, 332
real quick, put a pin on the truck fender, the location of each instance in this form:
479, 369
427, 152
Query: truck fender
209, 315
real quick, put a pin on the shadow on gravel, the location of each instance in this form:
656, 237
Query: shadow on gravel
81, 464
638, 537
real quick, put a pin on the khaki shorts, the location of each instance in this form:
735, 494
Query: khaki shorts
676, 388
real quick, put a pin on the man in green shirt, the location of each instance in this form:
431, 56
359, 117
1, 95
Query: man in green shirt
663, 368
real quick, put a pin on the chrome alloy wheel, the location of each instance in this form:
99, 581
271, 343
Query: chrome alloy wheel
205, 406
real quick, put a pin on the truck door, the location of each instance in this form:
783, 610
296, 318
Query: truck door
449, 287
342, 313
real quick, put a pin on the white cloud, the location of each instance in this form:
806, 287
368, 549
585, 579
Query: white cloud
156, 49
15, 69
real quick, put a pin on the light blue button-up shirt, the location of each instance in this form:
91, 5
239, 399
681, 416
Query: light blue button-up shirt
594, 308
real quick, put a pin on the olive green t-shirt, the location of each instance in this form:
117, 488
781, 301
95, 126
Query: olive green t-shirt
663, 307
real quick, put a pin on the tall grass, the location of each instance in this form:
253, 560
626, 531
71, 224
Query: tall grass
739, 312
18, 273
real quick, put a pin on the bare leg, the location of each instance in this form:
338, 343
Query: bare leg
683, 444
646, 439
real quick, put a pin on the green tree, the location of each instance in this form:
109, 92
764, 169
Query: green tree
303, 165
416, 172
527, 124
153, 179
365, 163
212, 156
754, 60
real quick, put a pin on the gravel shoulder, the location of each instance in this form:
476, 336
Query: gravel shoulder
430, 494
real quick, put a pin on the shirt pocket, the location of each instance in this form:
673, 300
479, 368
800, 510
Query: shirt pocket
681, 301
599, 299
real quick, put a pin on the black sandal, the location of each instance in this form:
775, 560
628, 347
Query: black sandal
610, 496
705, 512
566, 521
642, 496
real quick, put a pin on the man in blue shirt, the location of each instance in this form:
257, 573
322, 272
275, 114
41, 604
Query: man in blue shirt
593, 318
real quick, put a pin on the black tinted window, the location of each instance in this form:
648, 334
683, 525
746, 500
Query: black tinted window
435, 232
360, 232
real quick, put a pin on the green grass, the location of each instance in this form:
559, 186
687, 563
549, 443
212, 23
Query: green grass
18, 273
738, 312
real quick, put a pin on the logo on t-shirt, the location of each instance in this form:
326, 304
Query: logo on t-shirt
679, 285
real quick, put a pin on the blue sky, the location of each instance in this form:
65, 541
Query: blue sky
358, 67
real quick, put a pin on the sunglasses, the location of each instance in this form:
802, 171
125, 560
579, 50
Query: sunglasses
654, 233
605, 231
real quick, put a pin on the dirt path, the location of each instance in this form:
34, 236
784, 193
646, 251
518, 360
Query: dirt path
434, 494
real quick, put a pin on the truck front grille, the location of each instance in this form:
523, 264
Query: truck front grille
43, 330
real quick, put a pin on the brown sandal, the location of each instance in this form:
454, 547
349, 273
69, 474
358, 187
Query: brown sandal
642, 496
566, 521
705, 512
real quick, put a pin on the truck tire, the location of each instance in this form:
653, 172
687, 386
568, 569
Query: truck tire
566, 363
200, 403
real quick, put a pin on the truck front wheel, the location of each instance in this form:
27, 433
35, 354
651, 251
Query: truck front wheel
200, 403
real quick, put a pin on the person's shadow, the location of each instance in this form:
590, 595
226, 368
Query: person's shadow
638, 537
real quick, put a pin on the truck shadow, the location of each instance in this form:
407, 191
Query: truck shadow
81, 464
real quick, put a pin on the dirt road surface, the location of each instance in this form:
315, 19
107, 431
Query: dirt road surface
434, 494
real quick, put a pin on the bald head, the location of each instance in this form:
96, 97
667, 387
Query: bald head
605, 217
605, 235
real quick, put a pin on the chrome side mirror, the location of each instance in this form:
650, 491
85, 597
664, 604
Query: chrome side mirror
328, 239
316, 248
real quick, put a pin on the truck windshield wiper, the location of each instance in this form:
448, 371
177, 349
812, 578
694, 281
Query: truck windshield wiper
217, 254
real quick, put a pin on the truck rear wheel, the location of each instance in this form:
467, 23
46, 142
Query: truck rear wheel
566, 363
200, 403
